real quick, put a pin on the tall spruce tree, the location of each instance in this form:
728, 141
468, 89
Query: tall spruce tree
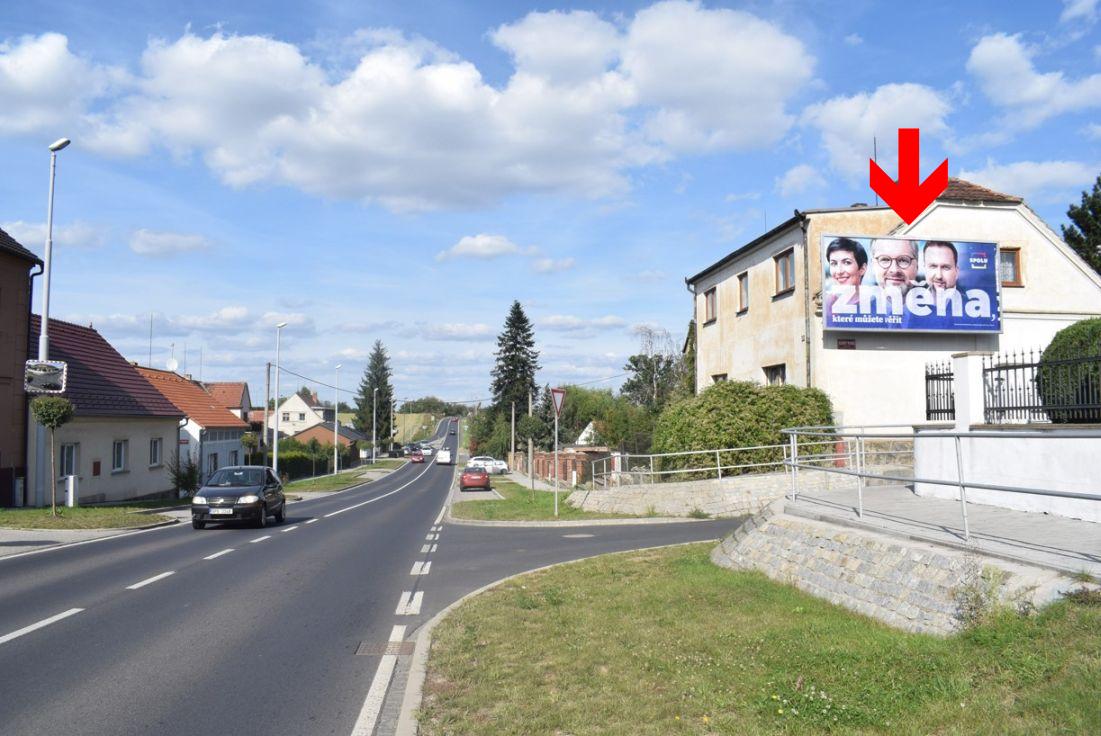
1084, 234
517, 363
377, 375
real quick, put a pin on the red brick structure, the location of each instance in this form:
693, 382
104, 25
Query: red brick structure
570, 460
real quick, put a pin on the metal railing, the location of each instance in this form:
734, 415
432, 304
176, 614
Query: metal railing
1018, 387
940, 394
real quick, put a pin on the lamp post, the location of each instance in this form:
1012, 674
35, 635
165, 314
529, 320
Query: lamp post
336, 420
391, 442
275, 440
374, 422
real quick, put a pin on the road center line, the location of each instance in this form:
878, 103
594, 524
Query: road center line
34, 627
291, 528
259, 539
153, 579
311, 521
218, 554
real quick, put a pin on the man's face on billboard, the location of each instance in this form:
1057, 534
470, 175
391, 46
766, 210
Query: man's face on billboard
941, 269
895, 263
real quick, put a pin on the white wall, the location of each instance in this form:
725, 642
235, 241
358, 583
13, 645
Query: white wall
197, 442
294, 406
95, 437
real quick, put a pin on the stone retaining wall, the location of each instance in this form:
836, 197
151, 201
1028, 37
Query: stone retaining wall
909, 585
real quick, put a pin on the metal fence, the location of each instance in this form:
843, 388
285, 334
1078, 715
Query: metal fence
940, 396
1019, 388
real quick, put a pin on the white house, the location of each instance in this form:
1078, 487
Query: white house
296, 415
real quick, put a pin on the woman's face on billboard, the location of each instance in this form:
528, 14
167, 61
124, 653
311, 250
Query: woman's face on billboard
844, 269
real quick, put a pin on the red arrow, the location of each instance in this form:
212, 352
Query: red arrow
908, 197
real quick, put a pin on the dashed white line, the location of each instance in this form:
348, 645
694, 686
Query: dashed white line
311, 521
425, 549
379, 498
34, 627
259, 539
153, 579
410, 603
433, 548
218, 554
431, 537
290, 528
440, 517
421, 568
372, 704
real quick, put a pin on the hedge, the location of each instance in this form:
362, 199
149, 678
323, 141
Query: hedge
737, 414
1064, 379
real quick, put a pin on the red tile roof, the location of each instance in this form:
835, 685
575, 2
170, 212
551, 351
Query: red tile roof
257, 415
229, 394
959, 190
190, 398
101, 383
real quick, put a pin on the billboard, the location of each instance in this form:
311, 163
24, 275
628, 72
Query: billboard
907, 284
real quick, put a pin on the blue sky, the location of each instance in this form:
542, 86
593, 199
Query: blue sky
402, 172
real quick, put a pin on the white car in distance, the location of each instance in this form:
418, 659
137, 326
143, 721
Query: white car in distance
443, 457
493, 467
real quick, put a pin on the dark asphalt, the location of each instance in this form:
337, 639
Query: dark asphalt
261, 640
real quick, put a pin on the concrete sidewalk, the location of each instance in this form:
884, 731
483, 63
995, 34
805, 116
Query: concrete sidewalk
540, 485
1054, 542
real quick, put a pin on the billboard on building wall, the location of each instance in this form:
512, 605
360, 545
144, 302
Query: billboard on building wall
911, 285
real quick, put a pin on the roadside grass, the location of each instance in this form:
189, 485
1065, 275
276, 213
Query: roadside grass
409, 427
518, 506
86, 517
664, 642
340, 481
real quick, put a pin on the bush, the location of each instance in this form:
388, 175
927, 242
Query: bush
736, 414
1063, 383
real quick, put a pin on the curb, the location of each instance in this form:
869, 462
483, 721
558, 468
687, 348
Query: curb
418, 670
571, 522
120, 529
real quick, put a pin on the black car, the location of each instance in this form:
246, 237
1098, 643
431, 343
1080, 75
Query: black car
240, 493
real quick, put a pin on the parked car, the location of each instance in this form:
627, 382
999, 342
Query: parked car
239, 493
496, 467
416, 457
474, 476
443, 457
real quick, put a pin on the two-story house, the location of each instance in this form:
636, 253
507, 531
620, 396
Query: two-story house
16, 263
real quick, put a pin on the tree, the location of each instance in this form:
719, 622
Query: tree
314, 451
250, 442
687, 387
517, 363
1084, 232
655, 370
52, 412
306, 394
377, 375
184, 474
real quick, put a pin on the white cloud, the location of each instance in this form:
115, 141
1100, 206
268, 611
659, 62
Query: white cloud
32, 235
454, 331
799, 179
569, 323
1005, 72
1093, 130
1084, 11
848, 124
369, 327
152, 243
853, 39
536, 44
551, 265
482, 246
1043, 180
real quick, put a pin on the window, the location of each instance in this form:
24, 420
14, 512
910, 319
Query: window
776, 375
743, 292
785, 271
709, 310
155, 446
301, 416
718, 378
233, 457
120, 456
286, 416
67, 464
1009, 266
211, 462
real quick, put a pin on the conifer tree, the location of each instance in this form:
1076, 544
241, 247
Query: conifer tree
376, 375
1084, 233
517, 363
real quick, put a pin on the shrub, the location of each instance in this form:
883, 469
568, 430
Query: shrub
736, 414
1063, 383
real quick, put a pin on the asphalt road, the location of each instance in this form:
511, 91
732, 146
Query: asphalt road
166, 632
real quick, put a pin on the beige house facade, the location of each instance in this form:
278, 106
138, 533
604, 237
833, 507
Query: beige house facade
758, 311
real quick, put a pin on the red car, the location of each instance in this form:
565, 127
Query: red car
474, 478
416, 456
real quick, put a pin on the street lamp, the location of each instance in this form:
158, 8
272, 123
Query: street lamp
275, 443
374, 422
336, 420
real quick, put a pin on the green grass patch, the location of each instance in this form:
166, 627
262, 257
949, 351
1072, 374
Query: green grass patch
89, 517
519, 506
664, 642
340, 481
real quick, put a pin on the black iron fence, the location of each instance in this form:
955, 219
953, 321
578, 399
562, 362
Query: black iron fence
940, 398
1019, 388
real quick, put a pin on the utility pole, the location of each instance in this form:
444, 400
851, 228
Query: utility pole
267, 403
531, 453
512, 451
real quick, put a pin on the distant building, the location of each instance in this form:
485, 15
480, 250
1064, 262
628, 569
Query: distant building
124, 432
16, 263
233, 395
323, 433
296, 414
758, 310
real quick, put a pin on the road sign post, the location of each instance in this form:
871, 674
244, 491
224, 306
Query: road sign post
559, 395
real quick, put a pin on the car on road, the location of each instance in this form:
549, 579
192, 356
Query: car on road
239, 493
496, 467
426, 451
452, 430
416, 456
443, 457
474, 476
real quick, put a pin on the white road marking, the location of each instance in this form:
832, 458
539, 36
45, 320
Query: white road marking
440, 517
576, 536
34, 627
421, 568
379, 498
425, 549
397, 634
218, 554
431, 537
433, 548
153, 579
259, 539
311, 521
291, 528
410, 603
376, 694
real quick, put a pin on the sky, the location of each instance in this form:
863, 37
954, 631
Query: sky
402, 171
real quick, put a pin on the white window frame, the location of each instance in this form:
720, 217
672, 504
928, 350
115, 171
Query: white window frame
156, 452
783, 285
743, 292
116, 465
72, 450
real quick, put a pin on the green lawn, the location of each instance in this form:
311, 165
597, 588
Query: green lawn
518, 506
342, 480
664, 642
92, 517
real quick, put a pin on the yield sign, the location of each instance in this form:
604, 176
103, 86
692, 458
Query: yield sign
559, 395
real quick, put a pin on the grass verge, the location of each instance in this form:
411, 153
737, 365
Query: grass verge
340, 481
518, 506
664, 642
93, 517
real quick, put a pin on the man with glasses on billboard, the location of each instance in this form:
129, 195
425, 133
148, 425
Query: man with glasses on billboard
896, 268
